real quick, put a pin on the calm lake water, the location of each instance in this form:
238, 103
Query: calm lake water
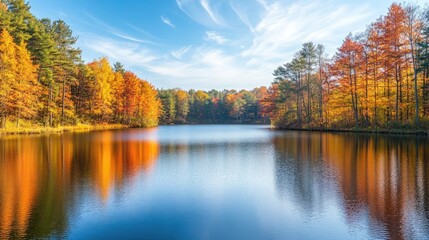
214, 182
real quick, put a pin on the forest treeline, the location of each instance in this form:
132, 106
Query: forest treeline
227, 106
376, 79
43, 80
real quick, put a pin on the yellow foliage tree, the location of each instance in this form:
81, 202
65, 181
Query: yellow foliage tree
8, 65
149, 105
26, 87
103, 81
118, 101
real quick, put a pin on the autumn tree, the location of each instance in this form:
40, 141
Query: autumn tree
130, 96
8, 65
26, 87
412, 31
101, 102
182, 105
118, 89
348, 60
149, 105
263, 96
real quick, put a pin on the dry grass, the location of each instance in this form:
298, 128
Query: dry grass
32, 129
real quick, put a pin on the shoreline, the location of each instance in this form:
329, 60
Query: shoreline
87, 128
415, 132
61, 129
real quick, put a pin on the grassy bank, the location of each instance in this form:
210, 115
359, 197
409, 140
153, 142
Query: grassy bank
420, 132
59, 129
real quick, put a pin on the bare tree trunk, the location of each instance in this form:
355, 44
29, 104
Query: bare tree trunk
401, 96
411, 20
3, 122
397, 95
49, 106
320, 92
17, 117
62, 101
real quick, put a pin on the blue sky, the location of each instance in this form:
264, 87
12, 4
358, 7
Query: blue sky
208, 44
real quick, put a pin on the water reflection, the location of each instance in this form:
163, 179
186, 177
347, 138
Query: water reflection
214, 182
43, 178
379, 181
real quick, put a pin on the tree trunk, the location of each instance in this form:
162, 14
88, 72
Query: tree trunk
411, 21
49, 106
416, 89
401, 97
356, 100
353, 90
366, 93
3, 122
17, 117
308, 98
320, 93
397, 95
62, 101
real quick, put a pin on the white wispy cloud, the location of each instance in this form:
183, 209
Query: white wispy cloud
139, 30
130, 52
263, 3
99, 23
205, 68
242, 16
201, 11
262, 34
180, 52
167, 21
206, 5
215, 37
285, 27
126, 37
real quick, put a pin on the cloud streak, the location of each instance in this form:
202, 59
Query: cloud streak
113, 31
167, 21
180, 52
215, 37
206, 5
201, 11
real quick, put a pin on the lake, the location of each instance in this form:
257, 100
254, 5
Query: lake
214, 182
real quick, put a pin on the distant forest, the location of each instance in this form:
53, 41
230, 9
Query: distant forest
376, 79
228, 106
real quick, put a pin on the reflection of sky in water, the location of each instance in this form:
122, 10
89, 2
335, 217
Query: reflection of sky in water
215, 182
220, 189
201, 134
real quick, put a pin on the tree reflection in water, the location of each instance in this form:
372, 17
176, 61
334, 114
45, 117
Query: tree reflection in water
381, 179
41, 177
230, 177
